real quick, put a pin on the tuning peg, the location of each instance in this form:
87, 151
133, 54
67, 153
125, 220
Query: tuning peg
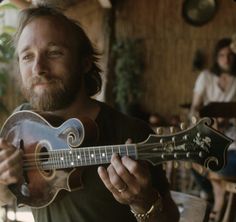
164, 166
183, 126
188, 165
194, 119
175, 164
172, 129
159, 130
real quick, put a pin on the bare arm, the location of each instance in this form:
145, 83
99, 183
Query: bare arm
197, 103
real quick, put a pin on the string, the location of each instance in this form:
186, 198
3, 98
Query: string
87, 151
52, 164
31, 163
141, 147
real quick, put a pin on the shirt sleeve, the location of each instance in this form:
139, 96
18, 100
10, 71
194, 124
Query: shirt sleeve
200, 83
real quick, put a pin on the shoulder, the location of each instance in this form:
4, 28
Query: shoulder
24, 106
204, 79
206, 74
122, 124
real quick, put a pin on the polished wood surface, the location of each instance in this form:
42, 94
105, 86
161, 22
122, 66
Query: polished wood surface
219, 109
191, 208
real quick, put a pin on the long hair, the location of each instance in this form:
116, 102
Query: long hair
222, 43
92, 78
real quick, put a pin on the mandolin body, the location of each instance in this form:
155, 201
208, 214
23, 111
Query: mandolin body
34, 134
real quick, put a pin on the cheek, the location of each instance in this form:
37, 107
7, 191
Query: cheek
24, 72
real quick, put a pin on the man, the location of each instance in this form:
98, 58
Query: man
58, 75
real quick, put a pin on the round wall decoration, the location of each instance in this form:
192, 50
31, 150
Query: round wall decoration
198, 12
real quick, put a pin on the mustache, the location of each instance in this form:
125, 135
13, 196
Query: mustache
42, 80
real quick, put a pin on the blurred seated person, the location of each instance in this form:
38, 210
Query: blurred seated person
219, 85
156, 120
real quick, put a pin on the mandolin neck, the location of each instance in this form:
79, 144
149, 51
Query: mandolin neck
62, 159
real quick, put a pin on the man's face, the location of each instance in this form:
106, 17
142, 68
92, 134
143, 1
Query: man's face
48, 64
225, 59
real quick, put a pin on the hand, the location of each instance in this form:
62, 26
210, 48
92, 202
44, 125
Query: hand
11, 163
130, 182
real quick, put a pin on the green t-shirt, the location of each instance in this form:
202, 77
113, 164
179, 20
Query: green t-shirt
94, 203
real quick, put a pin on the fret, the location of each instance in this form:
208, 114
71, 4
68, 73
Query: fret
58, 159
106, 155
102, 149
84, 160
116, 149
66, 158
78, 157
86, 154
123, 150
92, 156
99, 149
96, 158
89, 156
71, 162
126, 149
109, 153
62, 159
74, 159
64, 153
131, 148
53, 160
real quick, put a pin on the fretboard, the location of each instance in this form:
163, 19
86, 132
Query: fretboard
69, 158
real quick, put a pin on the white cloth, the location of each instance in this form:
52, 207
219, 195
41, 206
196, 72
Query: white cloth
207, 86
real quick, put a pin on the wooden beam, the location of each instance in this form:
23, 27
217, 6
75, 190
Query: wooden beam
105, 3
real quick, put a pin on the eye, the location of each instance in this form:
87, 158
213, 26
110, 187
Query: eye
55, 53
26, 57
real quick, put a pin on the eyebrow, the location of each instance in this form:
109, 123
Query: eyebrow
27, 47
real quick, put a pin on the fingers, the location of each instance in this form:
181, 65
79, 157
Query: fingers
124, 173
10, 163
111, 180
128, 141
119, 174
140, 172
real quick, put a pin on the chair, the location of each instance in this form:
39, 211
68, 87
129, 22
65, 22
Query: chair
230, 213
191, 208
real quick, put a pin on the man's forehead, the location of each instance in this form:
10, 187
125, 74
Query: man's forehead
46, 30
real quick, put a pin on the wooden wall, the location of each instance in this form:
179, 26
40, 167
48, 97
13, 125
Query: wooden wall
170, 44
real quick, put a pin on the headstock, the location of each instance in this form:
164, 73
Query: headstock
200, 144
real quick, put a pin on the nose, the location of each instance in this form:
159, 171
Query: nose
40, 66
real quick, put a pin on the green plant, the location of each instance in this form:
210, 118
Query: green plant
6, 51
128, 70
6, 55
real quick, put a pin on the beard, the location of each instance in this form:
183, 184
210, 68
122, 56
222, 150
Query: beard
59, 94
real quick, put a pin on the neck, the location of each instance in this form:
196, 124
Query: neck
82, 106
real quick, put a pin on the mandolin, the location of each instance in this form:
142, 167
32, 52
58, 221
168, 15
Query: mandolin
54, 153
